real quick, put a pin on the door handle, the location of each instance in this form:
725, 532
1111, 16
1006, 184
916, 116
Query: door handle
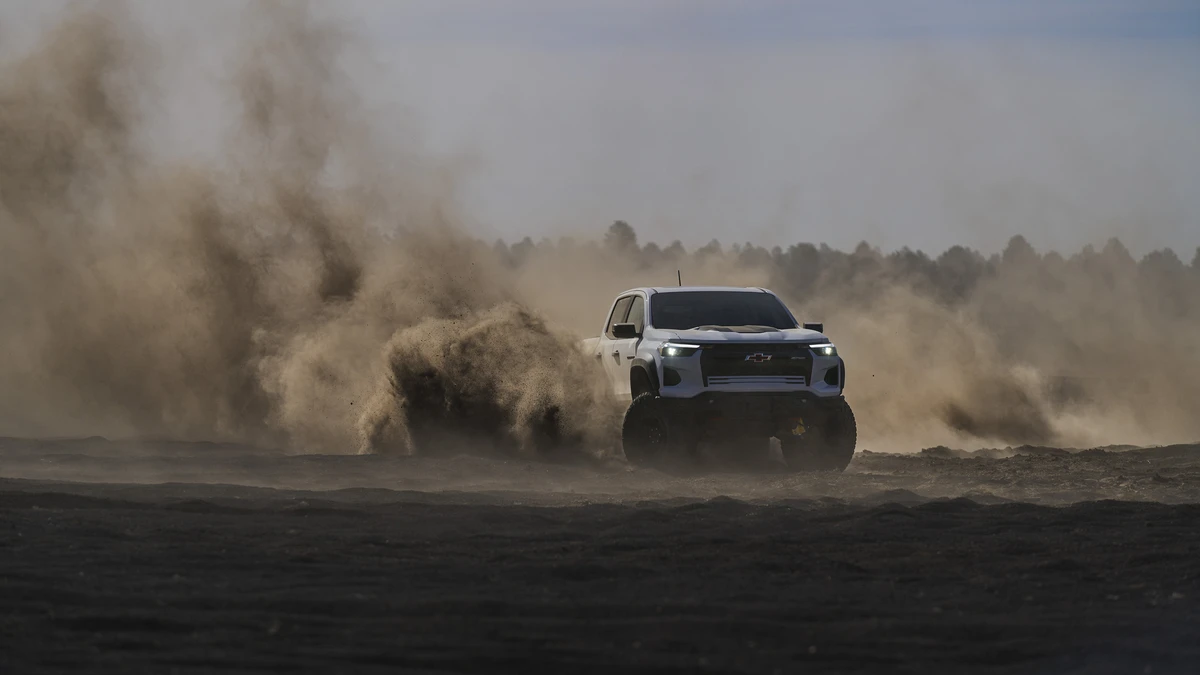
617, 353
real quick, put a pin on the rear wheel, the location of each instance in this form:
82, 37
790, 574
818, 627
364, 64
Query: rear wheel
645, 433
823, 440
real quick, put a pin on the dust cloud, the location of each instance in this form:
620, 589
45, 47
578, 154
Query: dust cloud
272, 298
314, 288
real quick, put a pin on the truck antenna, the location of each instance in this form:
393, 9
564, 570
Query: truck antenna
679, 274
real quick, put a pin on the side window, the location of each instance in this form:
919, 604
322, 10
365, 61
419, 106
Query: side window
620, 311
637, 313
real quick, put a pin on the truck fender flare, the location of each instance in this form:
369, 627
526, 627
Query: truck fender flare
646, 367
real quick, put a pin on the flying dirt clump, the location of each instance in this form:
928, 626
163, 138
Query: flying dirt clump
501, 379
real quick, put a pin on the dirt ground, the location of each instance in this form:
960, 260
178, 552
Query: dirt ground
173, 557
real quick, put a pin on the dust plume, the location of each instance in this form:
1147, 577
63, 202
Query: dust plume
314, 287
502, 376
254, 299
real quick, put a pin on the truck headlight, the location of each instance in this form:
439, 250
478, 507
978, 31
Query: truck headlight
675, 349
825, 349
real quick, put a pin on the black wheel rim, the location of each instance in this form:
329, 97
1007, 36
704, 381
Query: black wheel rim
651, 434
654, 433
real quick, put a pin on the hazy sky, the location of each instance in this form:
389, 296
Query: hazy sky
922, 123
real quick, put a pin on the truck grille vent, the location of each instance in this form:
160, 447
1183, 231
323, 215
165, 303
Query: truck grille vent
726, 380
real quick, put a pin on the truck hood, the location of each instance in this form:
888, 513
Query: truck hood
739, 334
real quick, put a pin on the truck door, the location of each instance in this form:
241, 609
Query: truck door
610, 349
628, 347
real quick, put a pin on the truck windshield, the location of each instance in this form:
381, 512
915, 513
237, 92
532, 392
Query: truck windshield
683, 310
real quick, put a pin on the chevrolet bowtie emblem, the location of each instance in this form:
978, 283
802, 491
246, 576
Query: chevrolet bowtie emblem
759, 358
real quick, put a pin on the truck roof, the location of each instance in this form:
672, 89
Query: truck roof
678, 289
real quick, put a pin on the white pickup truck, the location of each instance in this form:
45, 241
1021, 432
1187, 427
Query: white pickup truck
725, 365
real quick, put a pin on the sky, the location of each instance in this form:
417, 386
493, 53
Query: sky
572, 24
919, 123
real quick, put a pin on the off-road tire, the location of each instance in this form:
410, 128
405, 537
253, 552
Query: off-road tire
828, 444
645, 432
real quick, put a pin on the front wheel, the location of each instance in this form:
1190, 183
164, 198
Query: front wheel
645, 433
824, 440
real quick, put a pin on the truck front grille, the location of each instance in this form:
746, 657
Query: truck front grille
720, 363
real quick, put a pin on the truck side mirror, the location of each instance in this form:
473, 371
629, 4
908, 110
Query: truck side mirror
819, 327
624, 331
